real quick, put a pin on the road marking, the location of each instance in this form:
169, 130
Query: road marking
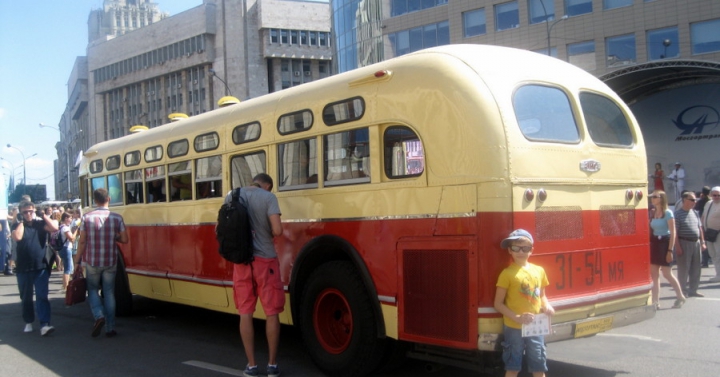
706, 298
639, 337
213, 367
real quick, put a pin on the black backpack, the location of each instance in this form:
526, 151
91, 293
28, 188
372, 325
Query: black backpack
233, 232
56, 241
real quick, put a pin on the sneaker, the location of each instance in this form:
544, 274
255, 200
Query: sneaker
678, 303
273, 371
97, 327
715, 279
111, 333
46, 330
28, 327
697, 294
251, 371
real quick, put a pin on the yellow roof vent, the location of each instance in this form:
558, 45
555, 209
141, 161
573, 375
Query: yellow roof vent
227, 101
138, 128
174, 117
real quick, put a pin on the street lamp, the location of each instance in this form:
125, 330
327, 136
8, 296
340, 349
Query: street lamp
227, 88
548, 26
23, 156
67, 155
666, 44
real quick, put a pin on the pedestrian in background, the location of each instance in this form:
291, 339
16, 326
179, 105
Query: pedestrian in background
33, 266
100, 233
704, 197
689, 243
12, 219
711, 222
677, 176
662, 243
66, 254
657, 177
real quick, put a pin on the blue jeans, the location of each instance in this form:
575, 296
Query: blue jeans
67, 260
39, 279
514, 345
105, 276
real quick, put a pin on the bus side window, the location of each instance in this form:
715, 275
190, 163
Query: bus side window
347, 157
244, 167
133, 187
115, 189
180, 181
297, 165
96, 183
208, 177
155, 184
404, 153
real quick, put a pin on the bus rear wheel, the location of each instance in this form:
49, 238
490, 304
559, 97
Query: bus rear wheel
337, 322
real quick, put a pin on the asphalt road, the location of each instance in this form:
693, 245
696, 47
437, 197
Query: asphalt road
163, 339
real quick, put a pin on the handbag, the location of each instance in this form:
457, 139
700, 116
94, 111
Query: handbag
76, 289
711, 235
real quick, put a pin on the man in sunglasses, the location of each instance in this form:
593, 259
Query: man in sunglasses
33, 265
690, 242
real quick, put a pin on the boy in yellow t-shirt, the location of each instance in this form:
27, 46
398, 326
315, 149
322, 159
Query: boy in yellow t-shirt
520, 294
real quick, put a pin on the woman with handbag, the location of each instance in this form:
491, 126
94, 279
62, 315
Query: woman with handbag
662, 242
66, 253
711, 225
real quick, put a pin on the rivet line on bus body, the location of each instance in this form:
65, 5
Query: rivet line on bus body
629, 194
542, 195
639, 195
529, 195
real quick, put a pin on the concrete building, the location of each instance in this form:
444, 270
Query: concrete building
661, 56
185, 63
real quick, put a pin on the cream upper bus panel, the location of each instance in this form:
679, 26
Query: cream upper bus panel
511, 70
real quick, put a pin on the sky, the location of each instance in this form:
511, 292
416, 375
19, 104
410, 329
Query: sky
39, 42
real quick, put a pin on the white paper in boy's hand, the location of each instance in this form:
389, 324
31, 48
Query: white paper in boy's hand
539, 326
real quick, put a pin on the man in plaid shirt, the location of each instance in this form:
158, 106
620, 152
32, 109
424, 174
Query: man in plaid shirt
100, 232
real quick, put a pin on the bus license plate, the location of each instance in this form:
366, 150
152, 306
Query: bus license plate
593, 327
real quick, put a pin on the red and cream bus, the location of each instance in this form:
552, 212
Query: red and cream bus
397, 183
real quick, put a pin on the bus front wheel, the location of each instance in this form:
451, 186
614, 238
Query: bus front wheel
337, 322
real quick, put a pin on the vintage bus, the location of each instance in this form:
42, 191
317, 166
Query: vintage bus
397, 182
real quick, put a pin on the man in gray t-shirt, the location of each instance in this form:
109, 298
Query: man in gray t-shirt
262, 278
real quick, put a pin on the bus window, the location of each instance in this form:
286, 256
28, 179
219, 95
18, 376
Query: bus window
544, 114
207, 142
132, 158
297, 165
246, 132
606, 123
155, 184
115, 189
180, 181
153, 153
347, 158
133, 187
96, 166
208, 177
404, 153
112, 163
295, 122
178, 148
343, 111
245, 167
96, 183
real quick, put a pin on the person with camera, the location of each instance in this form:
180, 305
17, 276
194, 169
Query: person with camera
33, 265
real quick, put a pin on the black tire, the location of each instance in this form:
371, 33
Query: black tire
337, 322
123, 296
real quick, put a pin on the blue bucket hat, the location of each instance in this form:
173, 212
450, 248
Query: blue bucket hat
516, 234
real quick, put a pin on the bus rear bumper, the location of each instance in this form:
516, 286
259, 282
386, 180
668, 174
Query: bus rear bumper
580, 328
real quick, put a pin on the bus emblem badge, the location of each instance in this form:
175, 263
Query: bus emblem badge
590, 166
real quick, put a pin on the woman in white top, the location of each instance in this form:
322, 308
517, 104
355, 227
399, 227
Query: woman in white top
68, 236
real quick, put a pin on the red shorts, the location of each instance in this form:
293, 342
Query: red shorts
261, 279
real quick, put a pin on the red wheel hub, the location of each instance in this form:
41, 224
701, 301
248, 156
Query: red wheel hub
333, 321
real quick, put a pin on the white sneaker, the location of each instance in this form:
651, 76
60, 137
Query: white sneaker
46, 330
28, 327
716, 279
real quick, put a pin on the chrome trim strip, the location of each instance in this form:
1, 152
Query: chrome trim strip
583, 299
396, 217
388, 299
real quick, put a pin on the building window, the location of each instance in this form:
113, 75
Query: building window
663, 43
704, 36
313, 38
293, 37
620, 50
399, 7
612, 4
582, 55
273, 36
322, 39
507, 16
540, 11
578, 7
432, 35
474, 22
303, 37
284, 36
